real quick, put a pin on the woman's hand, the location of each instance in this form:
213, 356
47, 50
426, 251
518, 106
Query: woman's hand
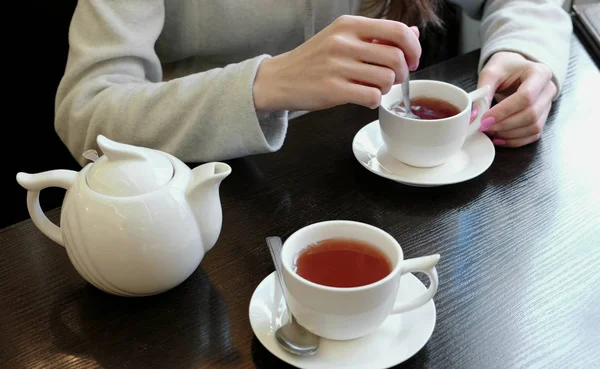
354, 60
524, 90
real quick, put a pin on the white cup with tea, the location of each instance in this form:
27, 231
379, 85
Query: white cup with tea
342, 278
445, 112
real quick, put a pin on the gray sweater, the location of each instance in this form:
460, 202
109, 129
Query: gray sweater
177, 75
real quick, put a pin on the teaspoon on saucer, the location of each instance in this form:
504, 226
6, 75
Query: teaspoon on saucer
291, 336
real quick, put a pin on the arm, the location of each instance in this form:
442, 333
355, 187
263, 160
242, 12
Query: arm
113, 85
540, 30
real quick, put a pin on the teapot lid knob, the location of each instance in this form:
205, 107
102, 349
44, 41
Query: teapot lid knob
128, 170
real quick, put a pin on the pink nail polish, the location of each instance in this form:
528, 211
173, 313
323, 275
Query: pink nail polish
414, 66
498, 141
474, 113
487, 123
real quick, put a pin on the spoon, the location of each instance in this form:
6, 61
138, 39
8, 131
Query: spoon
406, 99
291, 336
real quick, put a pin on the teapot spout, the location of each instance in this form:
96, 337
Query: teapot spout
203, 197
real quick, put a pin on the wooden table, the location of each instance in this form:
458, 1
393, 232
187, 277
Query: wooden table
520, 248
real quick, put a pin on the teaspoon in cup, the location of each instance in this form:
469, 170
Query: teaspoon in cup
406, 98
291, 336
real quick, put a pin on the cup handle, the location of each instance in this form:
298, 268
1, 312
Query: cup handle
425, 264
483, 95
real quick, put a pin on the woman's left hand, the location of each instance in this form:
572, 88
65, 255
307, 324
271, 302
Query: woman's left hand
524, 91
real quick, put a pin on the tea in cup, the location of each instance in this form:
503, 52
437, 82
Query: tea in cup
443, 126
342, 278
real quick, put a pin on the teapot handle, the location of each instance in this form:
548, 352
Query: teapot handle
34, 183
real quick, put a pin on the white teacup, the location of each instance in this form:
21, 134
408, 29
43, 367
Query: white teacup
348, 313
429, 143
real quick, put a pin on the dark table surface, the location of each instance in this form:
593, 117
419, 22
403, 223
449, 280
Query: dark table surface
519, 270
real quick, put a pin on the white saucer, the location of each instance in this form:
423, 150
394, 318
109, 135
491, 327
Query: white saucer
399, 337
475, 157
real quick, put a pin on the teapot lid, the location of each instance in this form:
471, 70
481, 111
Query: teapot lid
127, 170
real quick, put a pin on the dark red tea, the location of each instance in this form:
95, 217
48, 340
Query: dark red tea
340, 262
427, 108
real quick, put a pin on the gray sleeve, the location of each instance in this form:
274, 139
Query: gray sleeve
113, 86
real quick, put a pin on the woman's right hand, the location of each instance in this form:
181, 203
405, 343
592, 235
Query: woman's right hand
353, 60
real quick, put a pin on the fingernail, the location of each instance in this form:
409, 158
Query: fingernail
416, 31
498, 141
487, 123
474, 113
414, 66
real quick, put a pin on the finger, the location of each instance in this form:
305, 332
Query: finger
492, 77
416, 31
530, 115
397, 33
380, 77
367, 96
474, 113
527, 131
384, 55
516, 142
400, 73
532, 84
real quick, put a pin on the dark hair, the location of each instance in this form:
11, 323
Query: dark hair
420, 13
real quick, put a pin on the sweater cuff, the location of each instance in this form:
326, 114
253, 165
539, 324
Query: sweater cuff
273, 124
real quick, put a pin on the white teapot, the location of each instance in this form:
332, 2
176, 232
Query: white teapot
135, 222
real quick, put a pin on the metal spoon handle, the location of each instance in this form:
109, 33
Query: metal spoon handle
275, 247
406, 94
